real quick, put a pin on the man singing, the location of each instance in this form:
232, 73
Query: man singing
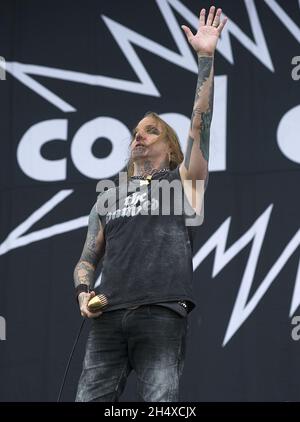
147, 270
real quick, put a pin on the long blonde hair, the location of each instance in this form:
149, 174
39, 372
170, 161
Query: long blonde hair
176, 155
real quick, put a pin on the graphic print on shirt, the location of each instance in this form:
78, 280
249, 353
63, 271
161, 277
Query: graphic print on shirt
134, 204
164, 196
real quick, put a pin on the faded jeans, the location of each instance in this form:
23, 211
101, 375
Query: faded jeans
150, 340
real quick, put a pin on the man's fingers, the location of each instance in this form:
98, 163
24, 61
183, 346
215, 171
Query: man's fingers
222, 24
202, 17
89, 314
216, 20
188, 32
84, 299
84, 310
95, 314
88, 297
210, 16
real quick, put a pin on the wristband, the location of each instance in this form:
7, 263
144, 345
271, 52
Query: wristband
81, 288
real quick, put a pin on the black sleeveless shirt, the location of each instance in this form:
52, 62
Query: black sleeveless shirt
148, 258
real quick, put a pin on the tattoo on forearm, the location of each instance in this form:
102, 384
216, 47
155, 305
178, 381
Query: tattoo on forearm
203, 108
89, 252
85, 269
192, 118
84, 273
205, 134
205, 65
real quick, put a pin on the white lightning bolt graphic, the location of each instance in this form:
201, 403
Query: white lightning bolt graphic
125, 38
16, 239
242, 310
184, 58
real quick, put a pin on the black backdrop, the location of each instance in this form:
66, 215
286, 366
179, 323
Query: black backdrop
79, 75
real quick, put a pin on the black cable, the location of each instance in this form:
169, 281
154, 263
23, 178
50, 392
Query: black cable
69, 361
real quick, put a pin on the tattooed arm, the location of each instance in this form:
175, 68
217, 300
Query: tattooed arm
93, 251
195, 164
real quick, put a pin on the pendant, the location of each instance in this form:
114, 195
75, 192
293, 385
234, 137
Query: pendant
146, 181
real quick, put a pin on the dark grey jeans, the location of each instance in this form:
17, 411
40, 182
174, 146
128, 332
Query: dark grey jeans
150, 340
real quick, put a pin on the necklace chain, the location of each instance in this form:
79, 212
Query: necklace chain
154, 173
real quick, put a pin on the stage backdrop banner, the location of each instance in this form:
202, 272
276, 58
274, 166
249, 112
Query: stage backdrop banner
76, 77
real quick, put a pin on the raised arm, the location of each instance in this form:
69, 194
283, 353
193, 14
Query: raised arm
92, 252
195, 164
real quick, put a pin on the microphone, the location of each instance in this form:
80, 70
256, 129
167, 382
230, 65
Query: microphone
97, 302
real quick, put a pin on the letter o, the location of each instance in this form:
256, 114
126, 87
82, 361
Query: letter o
81, 148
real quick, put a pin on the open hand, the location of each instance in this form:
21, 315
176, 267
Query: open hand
206, 38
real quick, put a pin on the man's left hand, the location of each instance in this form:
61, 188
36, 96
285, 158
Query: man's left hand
206, 38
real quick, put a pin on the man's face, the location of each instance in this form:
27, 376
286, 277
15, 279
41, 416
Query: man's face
148, 141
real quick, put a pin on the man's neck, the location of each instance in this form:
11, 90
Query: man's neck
147, 168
